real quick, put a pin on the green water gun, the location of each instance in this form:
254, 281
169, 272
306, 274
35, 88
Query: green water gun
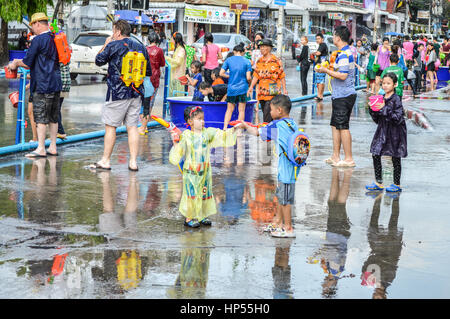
54, 26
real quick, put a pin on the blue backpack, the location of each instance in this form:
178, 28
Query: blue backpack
298, 147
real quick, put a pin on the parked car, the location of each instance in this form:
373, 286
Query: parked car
84, 49
295, 44
313, 46
226, 41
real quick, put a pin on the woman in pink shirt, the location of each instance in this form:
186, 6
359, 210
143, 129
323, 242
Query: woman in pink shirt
409, 48
211, 53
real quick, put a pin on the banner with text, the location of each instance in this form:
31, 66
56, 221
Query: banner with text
162, 15
208, 15
251, 14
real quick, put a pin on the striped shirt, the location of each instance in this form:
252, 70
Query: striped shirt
344, 64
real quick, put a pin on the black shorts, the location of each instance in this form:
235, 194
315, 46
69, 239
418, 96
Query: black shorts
341, 111
431, 67
379, 72
46, 108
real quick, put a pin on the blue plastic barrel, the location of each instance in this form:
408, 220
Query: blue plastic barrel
16, 54
214, 111
443, 74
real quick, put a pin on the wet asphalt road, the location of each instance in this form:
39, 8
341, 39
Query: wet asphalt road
67, 232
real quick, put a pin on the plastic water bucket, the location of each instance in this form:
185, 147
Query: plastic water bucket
443, 73
375, 101
10, 74
16, 54
214, 111
14, 98
183, 80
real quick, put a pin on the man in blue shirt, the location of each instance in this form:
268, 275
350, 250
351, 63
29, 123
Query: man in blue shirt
45, 85
280, 130
239, 78
123, 103
343, 97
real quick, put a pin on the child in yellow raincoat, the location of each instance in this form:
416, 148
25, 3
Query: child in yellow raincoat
197, 200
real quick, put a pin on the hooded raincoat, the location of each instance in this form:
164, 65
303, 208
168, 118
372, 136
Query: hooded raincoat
390, 136
197, 200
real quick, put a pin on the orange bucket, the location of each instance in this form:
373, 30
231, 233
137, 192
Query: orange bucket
183, 80
14, 98
10, 74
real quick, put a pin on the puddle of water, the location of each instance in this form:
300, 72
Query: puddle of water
124, 237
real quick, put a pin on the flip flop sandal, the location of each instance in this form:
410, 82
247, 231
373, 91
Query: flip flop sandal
52, 154
330, 161
98, 166
133, 169
35, 155
344, 164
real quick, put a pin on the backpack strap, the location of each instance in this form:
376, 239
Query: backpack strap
284, 151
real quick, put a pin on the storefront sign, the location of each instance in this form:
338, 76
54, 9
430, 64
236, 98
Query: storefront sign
251, 14
423, 14
162, 15
239, 5
208, 15
280, 2
335, 16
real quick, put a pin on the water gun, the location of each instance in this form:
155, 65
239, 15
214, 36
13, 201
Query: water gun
62, 46
233, 123
54, 26
174, 131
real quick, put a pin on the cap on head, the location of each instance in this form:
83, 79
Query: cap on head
267, 42
39, 16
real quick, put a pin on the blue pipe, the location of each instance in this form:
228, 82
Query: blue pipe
311, 96
166, 89
70, 139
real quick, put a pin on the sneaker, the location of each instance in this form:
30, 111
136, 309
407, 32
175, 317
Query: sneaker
205, 222
281, 233
374, 187
393, 188
269, 228
193, 223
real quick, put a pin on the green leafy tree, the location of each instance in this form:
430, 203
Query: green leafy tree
13, 10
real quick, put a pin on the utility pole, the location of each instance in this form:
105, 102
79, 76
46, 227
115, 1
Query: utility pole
375, 26
429, 18
110, 6
280, 29
406, 31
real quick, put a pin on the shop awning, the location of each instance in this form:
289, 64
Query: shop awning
341, 8
392, 16
165, 4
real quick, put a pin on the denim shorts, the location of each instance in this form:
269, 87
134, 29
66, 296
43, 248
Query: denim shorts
285, 193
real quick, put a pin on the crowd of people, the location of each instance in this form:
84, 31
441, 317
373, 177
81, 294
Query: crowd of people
385, 67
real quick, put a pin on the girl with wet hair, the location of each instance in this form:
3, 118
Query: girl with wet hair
390, 138
194, 148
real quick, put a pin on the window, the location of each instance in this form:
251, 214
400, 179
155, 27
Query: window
91, 40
